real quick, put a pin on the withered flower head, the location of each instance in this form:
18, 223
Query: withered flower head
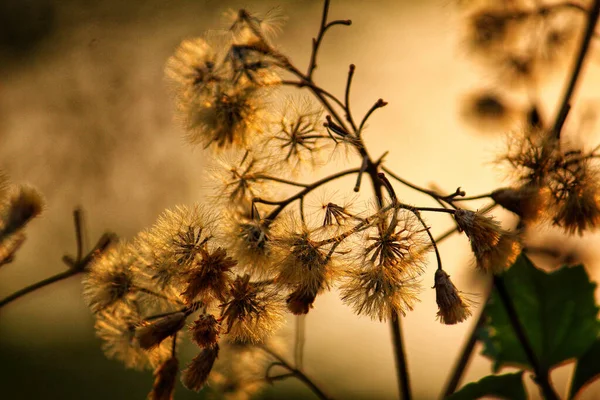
527, 201
300, 301
250, 242
205, 330
576, 198
150, 335
109, 279
303, 262
488, 29
22, 205
487, 110
164, 380
397, 242
377, 291
493, 247
239, 177
116, 328
452, 307
532, 156
251, 313
209, 276
195, 375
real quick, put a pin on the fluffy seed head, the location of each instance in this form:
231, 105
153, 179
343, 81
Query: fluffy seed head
196, 374
452, 308
22, 205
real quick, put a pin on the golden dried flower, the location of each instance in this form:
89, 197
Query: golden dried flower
251, 313
378, 291
576, 197
109, 279
164, 380
250, 242
9, 246
452, 307
493, 247
196, 374
150, 335
303, 262
205, 330
209, 276
116, 328
532, 156
527, 201
300, 301
22, 205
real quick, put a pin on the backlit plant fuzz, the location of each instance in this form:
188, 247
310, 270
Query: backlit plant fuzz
494, 248
452, 307
110, 278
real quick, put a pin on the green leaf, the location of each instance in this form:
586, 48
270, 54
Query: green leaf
508, 386
587, 369
557, 311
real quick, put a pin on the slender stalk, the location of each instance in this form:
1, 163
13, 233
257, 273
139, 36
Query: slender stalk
542, 375
565, 104
400, 356
38, 285
297, 373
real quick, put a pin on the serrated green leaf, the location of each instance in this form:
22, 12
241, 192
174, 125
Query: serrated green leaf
587, 369
508, 386
557, 311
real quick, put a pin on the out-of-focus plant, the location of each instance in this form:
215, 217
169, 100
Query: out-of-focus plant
226, 274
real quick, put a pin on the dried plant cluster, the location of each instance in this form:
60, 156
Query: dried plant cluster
226, 274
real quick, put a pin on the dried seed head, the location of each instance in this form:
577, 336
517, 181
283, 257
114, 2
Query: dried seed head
528, 202
576, 198
378, 291
487, 110
249, 240
109, 279
9, 247
195, 375
24, 204
300, 301
251, 313
209, 277
303, 262
164, 380
116, 328
239, 177
494, 248
487, 30
205, 330
452, 307
150, 335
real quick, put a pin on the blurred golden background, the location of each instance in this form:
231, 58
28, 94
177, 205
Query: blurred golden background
86, 117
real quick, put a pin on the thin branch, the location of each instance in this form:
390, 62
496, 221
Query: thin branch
300, 339
565, 104
351, 70
38, 285
401, 364
298, 373
281, 180
378, 104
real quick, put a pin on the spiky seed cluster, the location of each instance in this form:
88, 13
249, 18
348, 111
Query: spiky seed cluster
249, 240
576, 197
151, 334
221, 85
494, 248
533, 157
239, 178
117, 328
194, 377
205, 330
251, 313
22, 205
378, 291
452, 307
209, 276
164, 380
110, 278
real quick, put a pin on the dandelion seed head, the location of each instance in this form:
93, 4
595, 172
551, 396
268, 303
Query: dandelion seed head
109, 280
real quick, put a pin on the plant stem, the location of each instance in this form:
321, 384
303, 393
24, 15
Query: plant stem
38, 285
565, 104
401, 364
542, 377
297, 373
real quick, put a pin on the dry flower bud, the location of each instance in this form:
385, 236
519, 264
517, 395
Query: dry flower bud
300, 301
209, 275
527, 201
9, 247
164, 380
195, 375
151, 335
452, 308
22, 206
205, 330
